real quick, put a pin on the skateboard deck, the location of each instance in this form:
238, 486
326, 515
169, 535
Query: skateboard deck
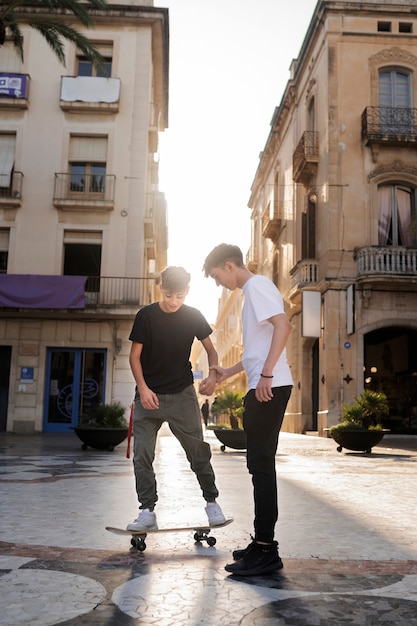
201, 533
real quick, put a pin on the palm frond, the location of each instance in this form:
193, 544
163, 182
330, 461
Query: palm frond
54, 32
17, 38
49, 24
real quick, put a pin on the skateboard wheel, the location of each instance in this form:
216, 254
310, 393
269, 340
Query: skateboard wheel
197, 537
222, 448
84, 446
211, 541
141, 546
339, 448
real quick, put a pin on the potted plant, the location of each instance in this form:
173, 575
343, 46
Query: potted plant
231, 435
360, 426
104, 427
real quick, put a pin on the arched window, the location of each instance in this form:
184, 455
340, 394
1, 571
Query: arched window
396, 208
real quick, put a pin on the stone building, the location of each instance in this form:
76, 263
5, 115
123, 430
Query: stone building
83, 228
333, 207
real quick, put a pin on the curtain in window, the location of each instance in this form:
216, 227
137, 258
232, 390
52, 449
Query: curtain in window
384, 214
404, 216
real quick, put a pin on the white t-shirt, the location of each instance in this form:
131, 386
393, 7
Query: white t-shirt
262, 301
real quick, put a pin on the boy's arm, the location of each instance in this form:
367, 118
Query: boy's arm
148, 398
282, 330
208, 384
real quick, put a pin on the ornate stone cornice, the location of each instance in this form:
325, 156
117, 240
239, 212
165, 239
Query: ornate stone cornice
397, 167
393, 55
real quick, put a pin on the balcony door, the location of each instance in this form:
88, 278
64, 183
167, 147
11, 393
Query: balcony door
75, 382
395, 102
396, 209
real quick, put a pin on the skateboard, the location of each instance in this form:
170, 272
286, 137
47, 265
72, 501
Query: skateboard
137, 537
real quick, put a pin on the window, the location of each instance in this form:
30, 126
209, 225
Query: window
82, 256
87, 164
396, 209
88, 177
10, 59
384, 27
405, 27
4, 249
395, 102
86, 68
394, 88
7, 155
308, 231
311, 121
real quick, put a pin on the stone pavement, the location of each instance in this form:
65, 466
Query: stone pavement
347, 534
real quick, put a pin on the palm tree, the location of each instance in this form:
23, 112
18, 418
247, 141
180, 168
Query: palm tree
231, 402
50, 18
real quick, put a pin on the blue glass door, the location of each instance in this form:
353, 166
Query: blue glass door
75, 382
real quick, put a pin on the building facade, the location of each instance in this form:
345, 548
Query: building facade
333, 215
83, 226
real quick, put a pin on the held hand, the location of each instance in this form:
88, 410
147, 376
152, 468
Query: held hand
221, 373
207, 386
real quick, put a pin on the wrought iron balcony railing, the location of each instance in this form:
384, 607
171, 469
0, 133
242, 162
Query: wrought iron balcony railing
306, 157
389, 125
84, 190
386, 260
14, 190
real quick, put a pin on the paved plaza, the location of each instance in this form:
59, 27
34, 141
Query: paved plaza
347, 534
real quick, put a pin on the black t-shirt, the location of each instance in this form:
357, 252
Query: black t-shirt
167, 339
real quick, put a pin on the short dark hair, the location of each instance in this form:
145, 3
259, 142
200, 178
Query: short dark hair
219, 256
175, 278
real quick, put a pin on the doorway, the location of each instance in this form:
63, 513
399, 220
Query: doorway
5, 358
390, 366
75, 383
315, 384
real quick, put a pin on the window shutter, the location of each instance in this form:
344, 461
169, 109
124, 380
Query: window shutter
88, 149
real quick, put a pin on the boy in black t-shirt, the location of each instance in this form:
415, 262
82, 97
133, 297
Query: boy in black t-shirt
162, 336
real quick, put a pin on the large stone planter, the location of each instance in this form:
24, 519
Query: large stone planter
358, 440
100, 438
231, 438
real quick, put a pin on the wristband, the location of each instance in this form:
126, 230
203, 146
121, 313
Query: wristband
263, 376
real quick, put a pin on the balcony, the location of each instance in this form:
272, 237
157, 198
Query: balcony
303, 274
75, 192
389, 126
271, 226
114, 291
90, 94
11, 196
28, 292
14, 91
306, 158
386, 262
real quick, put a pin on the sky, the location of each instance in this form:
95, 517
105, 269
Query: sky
229, 65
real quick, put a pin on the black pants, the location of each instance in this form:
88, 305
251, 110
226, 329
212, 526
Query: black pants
262, 422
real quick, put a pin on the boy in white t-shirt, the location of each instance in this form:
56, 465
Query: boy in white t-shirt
265, 329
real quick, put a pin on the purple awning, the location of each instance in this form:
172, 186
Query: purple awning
27, 291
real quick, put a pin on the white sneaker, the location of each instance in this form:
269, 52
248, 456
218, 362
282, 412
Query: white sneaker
214, 514
146, 520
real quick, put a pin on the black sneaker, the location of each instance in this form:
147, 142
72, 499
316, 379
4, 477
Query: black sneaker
239, 554
259, 559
